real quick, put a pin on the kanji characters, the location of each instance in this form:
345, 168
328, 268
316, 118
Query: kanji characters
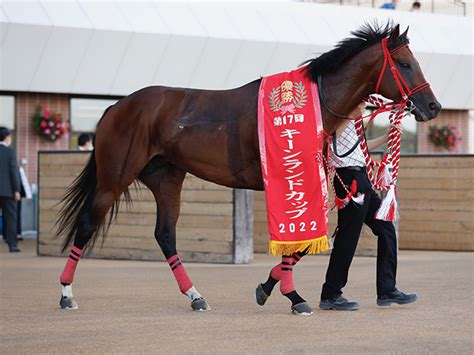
287, 85
287, 96
299, 117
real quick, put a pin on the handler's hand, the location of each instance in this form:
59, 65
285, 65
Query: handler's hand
17, 196
359, 110
399, 127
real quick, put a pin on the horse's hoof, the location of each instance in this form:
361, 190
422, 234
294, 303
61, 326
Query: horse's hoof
260, 295
302, 309
200, 305
68, 303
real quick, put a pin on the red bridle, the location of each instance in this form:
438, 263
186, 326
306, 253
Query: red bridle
403, 87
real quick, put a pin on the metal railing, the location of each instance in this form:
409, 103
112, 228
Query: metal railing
448, 7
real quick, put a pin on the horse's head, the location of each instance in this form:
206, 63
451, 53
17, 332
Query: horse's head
401, 77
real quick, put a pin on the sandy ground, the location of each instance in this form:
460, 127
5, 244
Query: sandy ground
135, 307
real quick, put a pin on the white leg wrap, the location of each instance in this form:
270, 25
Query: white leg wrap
66, 291
193, 294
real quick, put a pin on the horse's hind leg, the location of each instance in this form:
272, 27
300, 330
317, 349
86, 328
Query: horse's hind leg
283, 272
165, 181
90, 220
98, 188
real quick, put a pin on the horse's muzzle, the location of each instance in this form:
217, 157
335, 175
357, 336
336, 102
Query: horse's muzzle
426, 111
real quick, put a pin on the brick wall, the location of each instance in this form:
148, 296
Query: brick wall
456, 118
28, 142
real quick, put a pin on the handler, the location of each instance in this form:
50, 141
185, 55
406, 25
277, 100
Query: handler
352, 167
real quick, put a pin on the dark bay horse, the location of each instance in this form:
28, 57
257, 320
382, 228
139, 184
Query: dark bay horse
158, 134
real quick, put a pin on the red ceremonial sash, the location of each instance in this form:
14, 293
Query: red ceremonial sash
290, 133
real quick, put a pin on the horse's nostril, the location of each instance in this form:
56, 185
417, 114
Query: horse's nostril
433, 106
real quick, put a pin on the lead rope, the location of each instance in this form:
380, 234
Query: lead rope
383, 174
391, 158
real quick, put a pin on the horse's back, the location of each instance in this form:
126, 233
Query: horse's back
209, 133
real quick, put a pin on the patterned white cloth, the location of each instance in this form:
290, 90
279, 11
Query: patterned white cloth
344, 143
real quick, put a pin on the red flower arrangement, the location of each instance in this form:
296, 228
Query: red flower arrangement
446, 136
49, 125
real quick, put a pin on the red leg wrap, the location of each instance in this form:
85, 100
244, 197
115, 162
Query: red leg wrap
286, 283
184, 282
67, 275
276, 271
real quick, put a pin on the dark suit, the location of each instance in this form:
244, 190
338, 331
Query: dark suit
9, 184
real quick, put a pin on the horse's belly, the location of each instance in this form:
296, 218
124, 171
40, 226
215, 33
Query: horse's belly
216, 156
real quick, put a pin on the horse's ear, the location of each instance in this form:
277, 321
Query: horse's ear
395, 33
404, 34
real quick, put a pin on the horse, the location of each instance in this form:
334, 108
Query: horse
158, 134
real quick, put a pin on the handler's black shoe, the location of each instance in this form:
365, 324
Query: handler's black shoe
396, 297
338, 303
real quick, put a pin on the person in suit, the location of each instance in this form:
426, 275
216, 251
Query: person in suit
9, 189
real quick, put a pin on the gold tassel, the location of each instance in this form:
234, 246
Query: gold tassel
313, 246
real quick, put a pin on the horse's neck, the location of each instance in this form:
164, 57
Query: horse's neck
346, 88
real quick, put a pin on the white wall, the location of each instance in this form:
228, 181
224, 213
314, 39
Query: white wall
115, 48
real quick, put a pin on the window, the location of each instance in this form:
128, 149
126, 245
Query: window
85, 114
380, 126
7, 111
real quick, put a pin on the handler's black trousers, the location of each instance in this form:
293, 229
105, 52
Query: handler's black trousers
350, 221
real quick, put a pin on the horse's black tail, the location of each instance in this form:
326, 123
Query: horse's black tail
77, 202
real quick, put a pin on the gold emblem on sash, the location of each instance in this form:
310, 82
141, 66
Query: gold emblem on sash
288, 96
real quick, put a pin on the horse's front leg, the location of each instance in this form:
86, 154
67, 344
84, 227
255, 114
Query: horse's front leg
283, 273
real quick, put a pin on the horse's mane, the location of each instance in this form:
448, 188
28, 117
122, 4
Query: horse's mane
366, 36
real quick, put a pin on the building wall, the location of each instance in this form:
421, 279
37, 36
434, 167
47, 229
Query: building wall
456, 118
28, 142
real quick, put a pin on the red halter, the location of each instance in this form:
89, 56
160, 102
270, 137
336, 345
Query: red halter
403, 87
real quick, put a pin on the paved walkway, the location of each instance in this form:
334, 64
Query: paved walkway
135, 307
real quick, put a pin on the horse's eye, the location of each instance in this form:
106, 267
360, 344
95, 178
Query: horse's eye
405, 65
